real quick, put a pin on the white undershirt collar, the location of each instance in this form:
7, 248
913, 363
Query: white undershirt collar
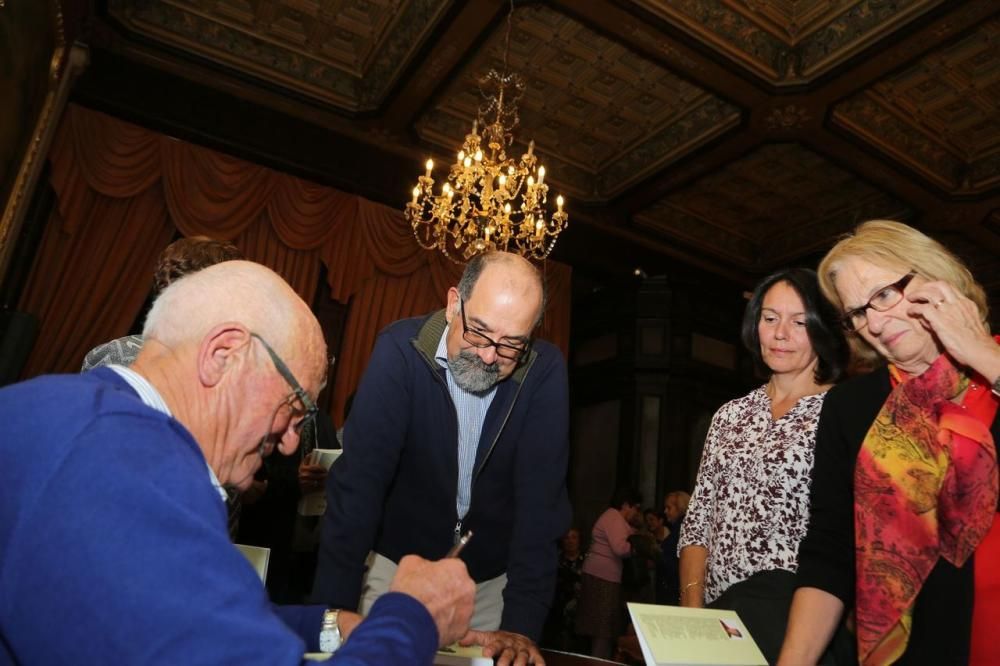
152, 399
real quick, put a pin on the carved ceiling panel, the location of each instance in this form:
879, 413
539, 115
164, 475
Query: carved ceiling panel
787, 41
344, 52
941, 116
740, 135
778, 203
601, 116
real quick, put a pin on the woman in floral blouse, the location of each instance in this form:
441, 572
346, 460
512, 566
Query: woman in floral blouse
750, 508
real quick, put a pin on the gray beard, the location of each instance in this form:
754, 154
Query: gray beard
471, 373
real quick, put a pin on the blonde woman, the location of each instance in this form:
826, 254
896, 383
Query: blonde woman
905, 484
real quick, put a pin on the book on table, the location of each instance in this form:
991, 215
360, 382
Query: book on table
676, 636
456, 655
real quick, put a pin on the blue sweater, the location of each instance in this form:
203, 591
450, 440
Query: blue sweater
393, 489
114, 550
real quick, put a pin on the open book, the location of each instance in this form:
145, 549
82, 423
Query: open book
675, 636
456, 655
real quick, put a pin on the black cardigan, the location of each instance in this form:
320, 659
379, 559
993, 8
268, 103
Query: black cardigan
942, 616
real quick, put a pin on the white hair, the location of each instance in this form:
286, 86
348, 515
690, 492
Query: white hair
233, 291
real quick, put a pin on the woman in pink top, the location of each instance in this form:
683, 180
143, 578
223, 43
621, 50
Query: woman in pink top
599, 610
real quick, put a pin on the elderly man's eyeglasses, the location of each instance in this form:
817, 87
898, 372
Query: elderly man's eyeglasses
309, 408
480, 341
884, 299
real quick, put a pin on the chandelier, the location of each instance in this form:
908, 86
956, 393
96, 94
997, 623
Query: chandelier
489, 200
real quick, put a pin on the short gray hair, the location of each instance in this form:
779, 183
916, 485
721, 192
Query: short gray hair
237, 291
474, 269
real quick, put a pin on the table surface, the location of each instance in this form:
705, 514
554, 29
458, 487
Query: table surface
556, 658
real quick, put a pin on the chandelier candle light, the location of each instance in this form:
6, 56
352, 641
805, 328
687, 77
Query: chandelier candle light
489, 201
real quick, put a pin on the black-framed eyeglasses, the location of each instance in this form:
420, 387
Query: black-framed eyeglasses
884, 299
480, 341
309, 408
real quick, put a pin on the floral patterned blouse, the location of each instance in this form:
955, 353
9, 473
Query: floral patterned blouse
750, 506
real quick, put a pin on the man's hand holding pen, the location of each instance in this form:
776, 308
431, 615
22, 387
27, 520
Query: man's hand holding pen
444, 587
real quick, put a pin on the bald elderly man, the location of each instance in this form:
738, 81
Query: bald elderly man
113, 543
460, 423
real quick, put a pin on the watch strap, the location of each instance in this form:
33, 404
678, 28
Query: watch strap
329, 634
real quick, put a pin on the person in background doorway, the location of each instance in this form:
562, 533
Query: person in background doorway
599, 611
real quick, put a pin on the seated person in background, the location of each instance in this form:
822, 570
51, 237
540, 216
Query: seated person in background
113, 544
740, 539
181, 257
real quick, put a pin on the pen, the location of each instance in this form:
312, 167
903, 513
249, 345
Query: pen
459, 545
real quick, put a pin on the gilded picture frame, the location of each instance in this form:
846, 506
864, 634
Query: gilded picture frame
32, 62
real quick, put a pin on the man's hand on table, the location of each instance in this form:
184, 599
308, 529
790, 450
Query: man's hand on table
444, 587
508, 648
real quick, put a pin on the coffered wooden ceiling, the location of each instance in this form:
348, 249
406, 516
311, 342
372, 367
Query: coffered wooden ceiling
740, 135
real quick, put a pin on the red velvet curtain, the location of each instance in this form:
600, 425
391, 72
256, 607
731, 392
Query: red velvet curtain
122, 193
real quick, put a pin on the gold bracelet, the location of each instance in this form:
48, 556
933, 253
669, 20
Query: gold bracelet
684, 589
691, 584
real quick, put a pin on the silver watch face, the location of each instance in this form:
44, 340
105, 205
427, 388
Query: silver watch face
329, 640
329, 635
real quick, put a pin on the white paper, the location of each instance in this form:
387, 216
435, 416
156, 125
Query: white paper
456, 655
258, 557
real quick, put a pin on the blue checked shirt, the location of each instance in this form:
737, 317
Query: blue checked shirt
471, 409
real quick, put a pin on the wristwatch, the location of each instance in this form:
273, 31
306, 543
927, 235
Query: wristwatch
329, 635
996, 387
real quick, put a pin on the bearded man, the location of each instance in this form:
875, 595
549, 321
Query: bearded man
460, 424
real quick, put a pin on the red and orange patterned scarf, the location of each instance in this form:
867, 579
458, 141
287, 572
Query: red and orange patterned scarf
925, 486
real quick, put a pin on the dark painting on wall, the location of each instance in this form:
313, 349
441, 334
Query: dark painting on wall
29, 38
